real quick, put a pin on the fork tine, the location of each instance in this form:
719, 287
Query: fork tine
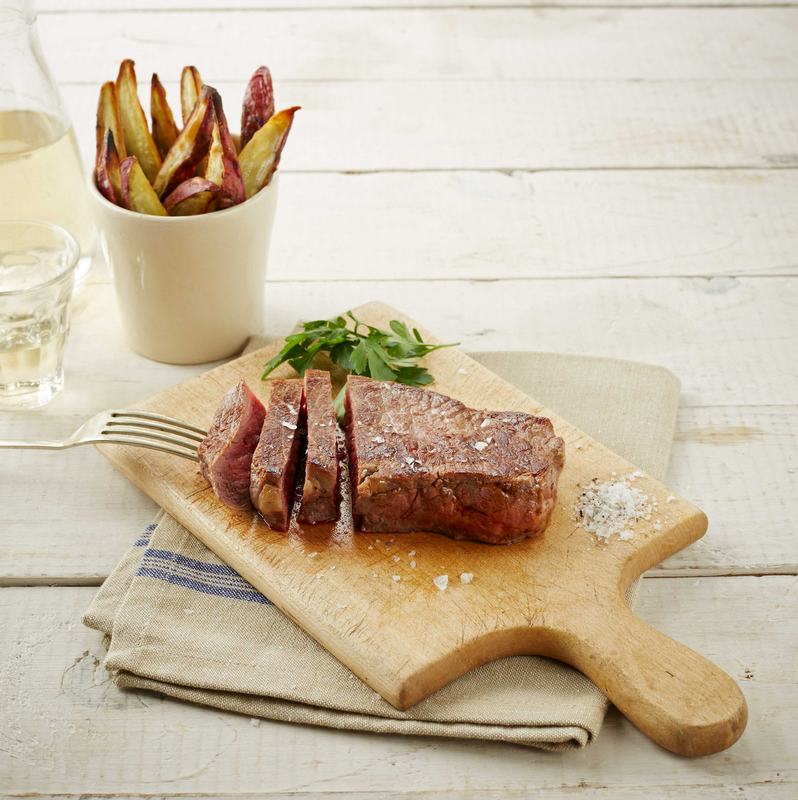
155, 426
149, 436
178, 423
191, 455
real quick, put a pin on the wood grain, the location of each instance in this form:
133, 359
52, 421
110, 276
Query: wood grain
567, 44
68, 731
710, 333
546, 124
67, 6
406, 639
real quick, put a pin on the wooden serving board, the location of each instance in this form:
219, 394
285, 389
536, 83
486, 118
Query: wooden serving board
560, 595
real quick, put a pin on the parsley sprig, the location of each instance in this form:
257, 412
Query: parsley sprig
361, 349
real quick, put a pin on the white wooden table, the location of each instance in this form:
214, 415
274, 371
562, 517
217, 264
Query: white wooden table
574, 177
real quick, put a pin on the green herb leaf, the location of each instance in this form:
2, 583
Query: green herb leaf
358, 348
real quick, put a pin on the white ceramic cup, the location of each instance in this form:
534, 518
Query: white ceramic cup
189, 289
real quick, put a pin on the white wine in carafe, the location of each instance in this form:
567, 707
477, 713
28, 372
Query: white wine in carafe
41, 175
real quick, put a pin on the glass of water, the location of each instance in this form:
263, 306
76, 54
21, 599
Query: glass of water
37, 274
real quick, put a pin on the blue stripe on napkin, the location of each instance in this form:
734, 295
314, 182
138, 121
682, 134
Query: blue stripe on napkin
200, 576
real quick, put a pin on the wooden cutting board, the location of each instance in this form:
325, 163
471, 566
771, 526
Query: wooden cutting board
560, 595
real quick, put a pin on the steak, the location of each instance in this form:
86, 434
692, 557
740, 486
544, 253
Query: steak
421, 461
273, 475
320, 492
225, 454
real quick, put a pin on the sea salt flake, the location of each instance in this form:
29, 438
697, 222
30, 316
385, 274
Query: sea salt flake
479, 446
607, 508
466, 577
462, 371
411, 552
289, 425
312, 555
441, 581
396, 559
409, 460
485, 422
625, 536
578, 446
378, 439
412, 565
396, 578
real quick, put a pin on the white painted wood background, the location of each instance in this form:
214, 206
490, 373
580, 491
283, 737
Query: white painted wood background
587, 176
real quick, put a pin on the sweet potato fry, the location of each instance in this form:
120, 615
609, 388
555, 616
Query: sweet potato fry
164, 130
190, 87
258, 106
231, 183
137, 192
194, 196
107, 175
108, 119
138, 139
190, 147
260, 157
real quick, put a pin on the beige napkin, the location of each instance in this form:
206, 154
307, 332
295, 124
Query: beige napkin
184, 624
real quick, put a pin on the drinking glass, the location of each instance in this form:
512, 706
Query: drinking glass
41, 174
37, 273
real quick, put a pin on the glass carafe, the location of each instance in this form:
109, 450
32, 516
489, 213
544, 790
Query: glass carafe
41, 174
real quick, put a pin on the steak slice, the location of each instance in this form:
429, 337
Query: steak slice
421, 461
273, 477
320, 493
225, 454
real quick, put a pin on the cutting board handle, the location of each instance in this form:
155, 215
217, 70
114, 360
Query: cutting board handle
675, 696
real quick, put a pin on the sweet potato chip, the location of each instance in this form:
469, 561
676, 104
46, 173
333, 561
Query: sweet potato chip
190, 147
232, 182
164, 129
137, 192
107, 174
261, 156
190, 88
138, 139
108, 119
258, 106
194, 196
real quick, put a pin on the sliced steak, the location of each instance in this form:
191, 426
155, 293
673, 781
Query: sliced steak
320, 492
225, 454
273, 477
421, 461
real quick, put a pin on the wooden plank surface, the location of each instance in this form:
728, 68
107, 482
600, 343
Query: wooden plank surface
69, 6
537, 225
568, 44
545, 124
718, 449
69, 731
594, 223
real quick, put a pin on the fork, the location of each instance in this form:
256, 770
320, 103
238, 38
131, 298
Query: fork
134, 428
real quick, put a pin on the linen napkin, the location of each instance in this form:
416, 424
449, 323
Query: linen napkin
182, 623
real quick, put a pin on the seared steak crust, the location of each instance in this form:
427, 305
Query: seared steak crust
225, 454
421, 461
273, 473
320, 492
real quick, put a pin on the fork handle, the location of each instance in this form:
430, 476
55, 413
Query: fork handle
17, 445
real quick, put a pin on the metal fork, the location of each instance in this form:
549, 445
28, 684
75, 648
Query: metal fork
134, 428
